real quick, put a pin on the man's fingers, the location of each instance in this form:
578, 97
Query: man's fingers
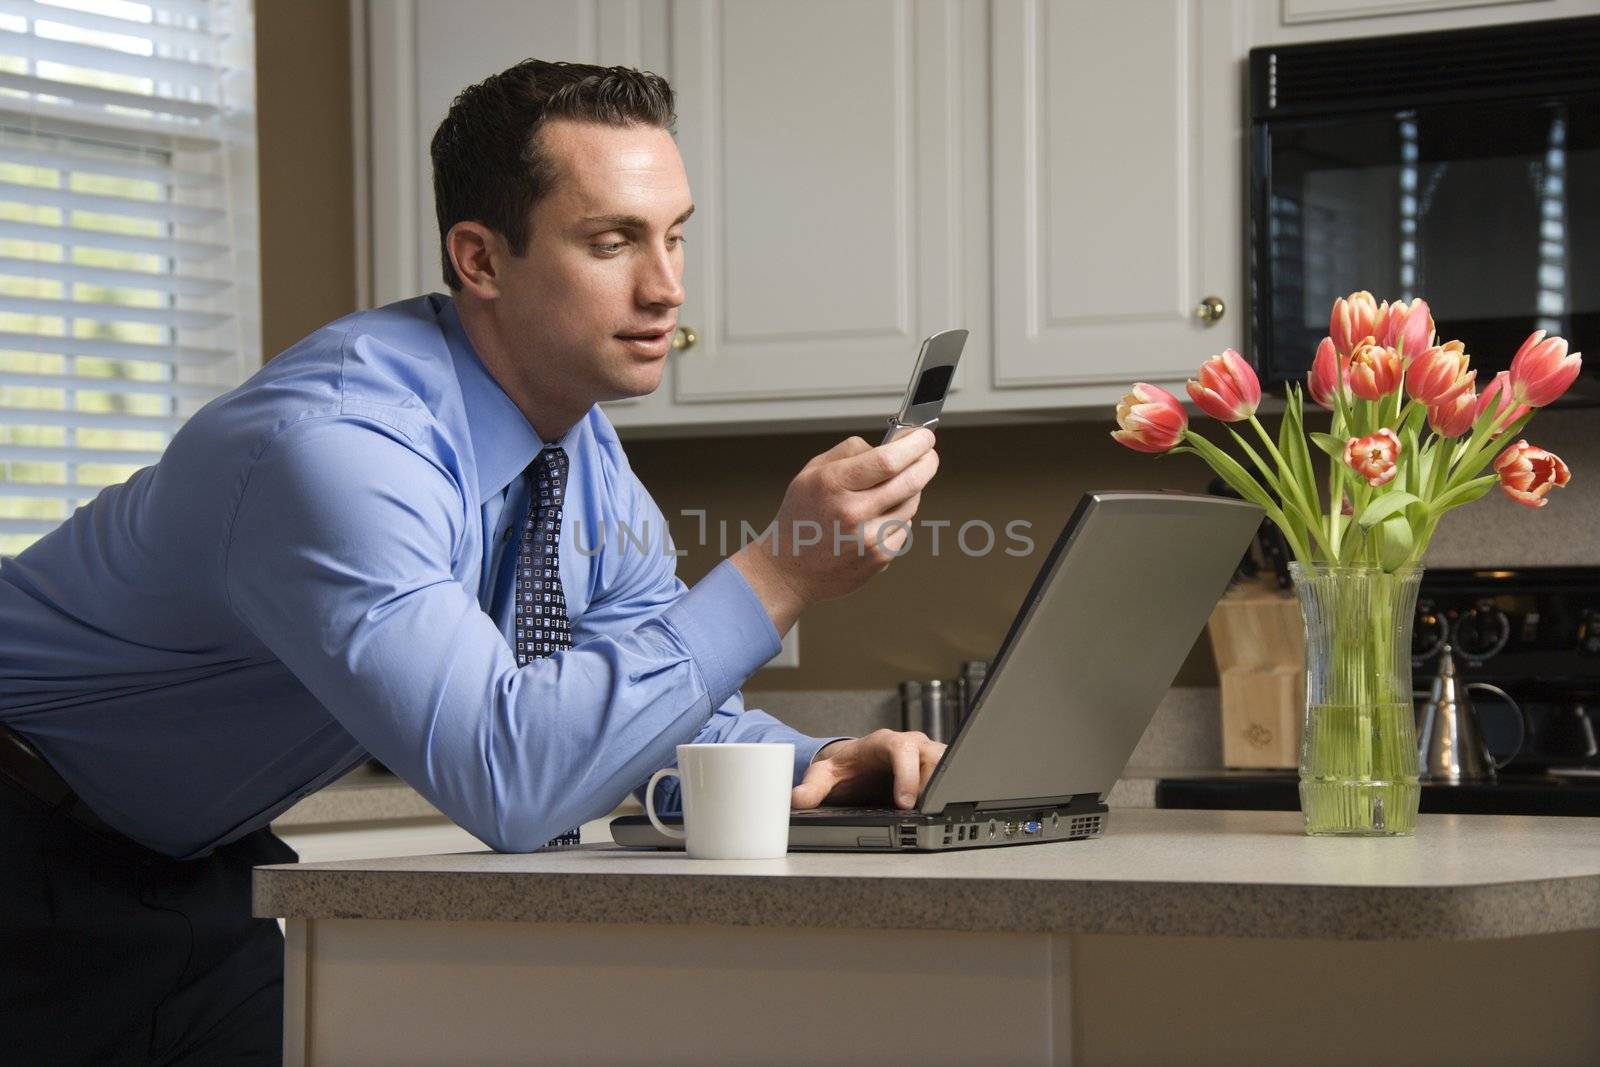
893, 537
867, 469
903, 486
903, 756
814, 787
850, 446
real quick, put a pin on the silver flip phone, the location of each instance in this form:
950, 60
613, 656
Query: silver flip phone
930, 381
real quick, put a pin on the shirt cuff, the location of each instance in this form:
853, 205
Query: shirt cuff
726, 628
822, 742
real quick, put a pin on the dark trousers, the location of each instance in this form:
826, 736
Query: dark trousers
113, 954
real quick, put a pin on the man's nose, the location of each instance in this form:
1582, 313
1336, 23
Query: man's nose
662, 282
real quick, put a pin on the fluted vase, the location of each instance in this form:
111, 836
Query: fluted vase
1358, 750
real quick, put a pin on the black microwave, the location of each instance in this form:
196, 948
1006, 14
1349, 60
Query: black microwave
1462, 167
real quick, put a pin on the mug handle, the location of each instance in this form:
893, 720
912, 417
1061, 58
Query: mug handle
650, 802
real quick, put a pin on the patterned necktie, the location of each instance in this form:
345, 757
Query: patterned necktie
542, 625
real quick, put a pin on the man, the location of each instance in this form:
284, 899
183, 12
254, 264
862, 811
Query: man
369, 548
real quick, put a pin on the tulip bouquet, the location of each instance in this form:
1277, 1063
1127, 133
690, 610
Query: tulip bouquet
1410, 439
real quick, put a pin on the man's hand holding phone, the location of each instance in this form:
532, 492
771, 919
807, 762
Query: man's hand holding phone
844, 518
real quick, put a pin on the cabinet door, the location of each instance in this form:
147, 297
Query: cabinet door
421, 54
823, 143
1118, 188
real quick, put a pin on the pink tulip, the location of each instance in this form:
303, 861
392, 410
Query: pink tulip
1228, 389
1351, 321
1374, 457
1528, 473
1375, 370
1454, 415
1328, 371
1541, 370
1497, 397
1407, 329
1439, 373
1152, 419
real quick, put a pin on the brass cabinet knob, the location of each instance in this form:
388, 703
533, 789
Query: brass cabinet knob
1210, 309
684, 338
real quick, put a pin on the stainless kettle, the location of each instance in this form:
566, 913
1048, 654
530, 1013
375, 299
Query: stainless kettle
1450, 746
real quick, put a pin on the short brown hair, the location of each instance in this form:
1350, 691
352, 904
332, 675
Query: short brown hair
488, 164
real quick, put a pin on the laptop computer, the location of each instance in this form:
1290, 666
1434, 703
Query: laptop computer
1115, 609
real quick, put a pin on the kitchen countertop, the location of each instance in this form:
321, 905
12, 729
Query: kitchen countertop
1180, 873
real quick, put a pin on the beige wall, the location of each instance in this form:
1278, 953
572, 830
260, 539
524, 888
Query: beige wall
306, 168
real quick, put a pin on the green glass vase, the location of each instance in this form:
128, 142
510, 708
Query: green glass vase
1358, 750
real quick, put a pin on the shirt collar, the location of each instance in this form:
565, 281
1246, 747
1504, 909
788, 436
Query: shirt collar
503, 441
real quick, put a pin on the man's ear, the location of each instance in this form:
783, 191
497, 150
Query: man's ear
476, 252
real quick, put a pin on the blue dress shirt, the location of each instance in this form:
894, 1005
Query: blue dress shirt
321, 567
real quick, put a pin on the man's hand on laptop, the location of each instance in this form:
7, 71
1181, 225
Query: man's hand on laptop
844, 518
885, 766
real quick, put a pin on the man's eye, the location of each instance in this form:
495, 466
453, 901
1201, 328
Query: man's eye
677, 239
609, 249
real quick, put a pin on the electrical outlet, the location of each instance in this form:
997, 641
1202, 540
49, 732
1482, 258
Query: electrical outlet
789, 654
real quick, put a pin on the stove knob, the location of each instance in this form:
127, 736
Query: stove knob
1428, 631
1589, 632
1482, 631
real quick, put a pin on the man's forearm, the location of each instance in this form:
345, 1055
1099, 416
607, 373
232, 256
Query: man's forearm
760, 568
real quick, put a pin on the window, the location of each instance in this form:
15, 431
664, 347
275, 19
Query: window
128, 248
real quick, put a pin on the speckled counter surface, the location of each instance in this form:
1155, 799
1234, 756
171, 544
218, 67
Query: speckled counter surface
1188, 873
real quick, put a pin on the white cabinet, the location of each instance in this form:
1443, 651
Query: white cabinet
421, 53
1118, 198
1301, 21
825, 147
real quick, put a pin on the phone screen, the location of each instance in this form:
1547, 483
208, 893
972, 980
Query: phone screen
932, 384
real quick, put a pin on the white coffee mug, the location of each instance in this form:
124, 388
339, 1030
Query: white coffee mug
735, 800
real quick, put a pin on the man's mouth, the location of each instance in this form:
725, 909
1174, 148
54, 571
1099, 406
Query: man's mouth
649, 343
645, 335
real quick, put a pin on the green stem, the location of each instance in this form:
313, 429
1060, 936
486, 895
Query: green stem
1287, 481
1335, 502
1247, 487
1484, 435
1439, 483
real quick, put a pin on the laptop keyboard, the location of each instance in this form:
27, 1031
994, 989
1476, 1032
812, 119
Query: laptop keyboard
852, 812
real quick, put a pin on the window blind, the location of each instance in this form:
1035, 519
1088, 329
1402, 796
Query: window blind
129, 292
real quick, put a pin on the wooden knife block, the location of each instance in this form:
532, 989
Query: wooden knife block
1258, 641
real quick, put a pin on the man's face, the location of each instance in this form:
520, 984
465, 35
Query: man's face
593, 303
